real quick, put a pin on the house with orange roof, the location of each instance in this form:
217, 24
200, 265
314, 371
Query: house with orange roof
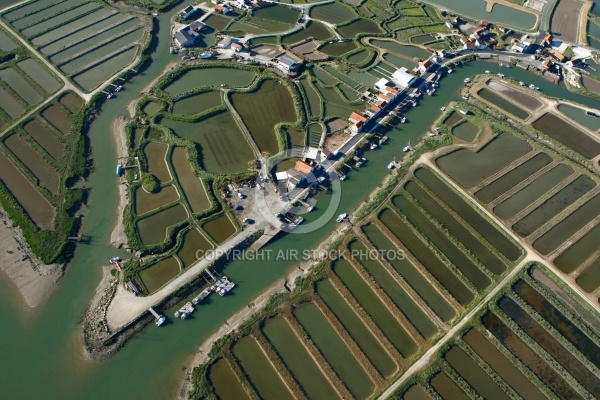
558, 55
547, 40
356, 117
425, 65
303, 167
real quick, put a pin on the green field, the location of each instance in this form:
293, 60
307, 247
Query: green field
222, 147
262, 110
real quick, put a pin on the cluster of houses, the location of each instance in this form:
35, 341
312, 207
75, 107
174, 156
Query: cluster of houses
189, 34
224, 7
481, 36
388, 90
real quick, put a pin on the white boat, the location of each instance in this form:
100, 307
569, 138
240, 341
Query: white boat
184, 311
443, 109
297, 221
521, 83
341, 217
203, 294
360, 162
403, 120
115, 260
450, 70
373, 146
206, 55
383, 140
407, 148
501, 76
532, 86
467, 80
394, 164
463, 111
487, 71
223, 286
161, 320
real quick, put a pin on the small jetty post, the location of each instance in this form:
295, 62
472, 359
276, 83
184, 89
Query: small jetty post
156, 315
211, 275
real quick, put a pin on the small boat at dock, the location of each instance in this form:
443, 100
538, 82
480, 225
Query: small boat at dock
185, 311
341, 217
225, 287
203, 294
222, 286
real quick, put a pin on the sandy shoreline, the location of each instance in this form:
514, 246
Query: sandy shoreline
118, 237
34, 279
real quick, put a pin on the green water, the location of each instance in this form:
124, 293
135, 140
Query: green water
465, 131
500, 13
579, 251
443, 243
260, 370
298, 360
39, 75
408, 51
554, 205
579, 115
566, 327
225, 382
568, 135
513, 178
358, 57
460, 232
17, 83
376, 309
468, 369
44, 342
416, 392
335, 351
338, 48
401, 299
447, 388
470, 168
565, 356
155, 276
506, 105
210, 77
411, 274
536, 188
589, 280
480, 224
356, 328
566, 228
220, 228
425, 255
502, 366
